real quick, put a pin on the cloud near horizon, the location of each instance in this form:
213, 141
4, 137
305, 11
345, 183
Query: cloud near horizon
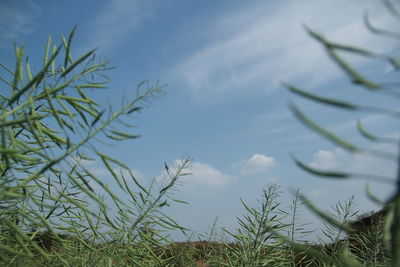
199, 174
258, 163
203, 174
339, 159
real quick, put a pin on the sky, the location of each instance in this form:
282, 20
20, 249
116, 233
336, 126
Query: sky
224, 64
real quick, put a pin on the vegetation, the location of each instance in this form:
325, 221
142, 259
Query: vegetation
52, 214
49, 127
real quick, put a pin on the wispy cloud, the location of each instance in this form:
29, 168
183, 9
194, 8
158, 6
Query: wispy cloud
200, 174
268, 45
258, 163
338, 159
16, 22
115, 22
208, 175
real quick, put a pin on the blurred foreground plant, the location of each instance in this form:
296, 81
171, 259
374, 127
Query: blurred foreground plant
392, 234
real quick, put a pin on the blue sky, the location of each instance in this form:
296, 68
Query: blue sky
224, 63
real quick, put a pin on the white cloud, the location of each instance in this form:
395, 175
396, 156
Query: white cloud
15, 22
268, 45
115, 23
201, 174
340, 160
326, 159
258, 163
208, 175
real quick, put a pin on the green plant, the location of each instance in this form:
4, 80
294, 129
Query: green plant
368, 244
337, 241
49, 127
342, 212
392, 234
254, 239
297, 232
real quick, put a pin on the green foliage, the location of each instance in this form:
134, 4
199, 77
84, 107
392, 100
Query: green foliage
392, 232
54, 211
53, 208
254, 239
297, 232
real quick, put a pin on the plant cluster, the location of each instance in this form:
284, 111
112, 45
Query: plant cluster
49, 124
54, 211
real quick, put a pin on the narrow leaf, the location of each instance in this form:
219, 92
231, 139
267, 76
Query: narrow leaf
329, 101
330, 174
77, 62
325, 133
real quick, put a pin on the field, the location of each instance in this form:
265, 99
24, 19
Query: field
54, 210
365, 243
